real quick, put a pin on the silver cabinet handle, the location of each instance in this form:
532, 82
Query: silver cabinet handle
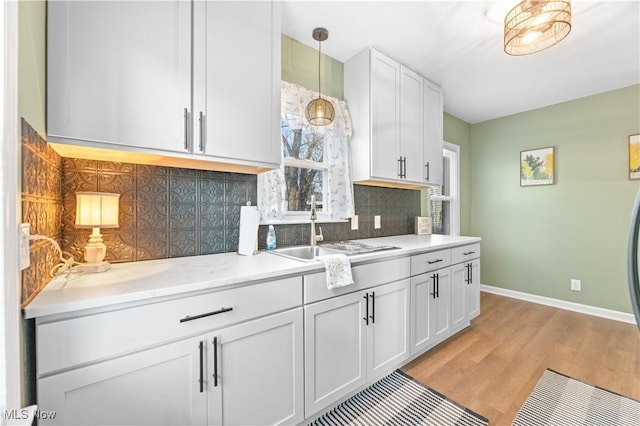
202, 136
427, 166
186, 129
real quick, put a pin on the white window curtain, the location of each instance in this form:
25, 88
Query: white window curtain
272, 186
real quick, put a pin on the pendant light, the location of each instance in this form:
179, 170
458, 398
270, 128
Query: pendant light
320, 111
533, 26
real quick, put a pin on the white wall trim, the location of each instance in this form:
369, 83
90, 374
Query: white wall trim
11, 386
562, 304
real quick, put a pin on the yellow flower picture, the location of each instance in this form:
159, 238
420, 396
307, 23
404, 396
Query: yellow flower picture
537, 166
634, 157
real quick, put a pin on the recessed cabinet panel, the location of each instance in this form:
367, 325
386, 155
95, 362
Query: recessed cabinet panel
259, 367
237, 84
433, 133
388, 333
385, 116
153, 387
119, 73
411, 125
334, 350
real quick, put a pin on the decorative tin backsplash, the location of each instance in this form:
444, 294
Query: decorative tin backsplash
41, 207
164, 212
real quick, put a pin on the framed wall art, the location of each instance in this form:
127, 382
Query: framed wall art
634, 156
537, 166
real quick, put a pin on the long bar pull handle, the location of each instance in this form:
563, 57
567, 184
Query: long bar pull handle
428, 170
466, 280
431, 262
437, 286
208, 314
186, 129
373, 307
400, 167
215, 361
201, 347
202, 135
434, 294
404, 167
470, 273
366, 313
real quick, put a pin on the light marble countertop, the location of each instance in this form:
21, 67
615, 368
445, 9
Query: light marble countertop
177, 277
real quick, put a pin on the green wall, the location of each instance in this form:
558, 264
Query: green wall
300, 66
31, 64
535, 239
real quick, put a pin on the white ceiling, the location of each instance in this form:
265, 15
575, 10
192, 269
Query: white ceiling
457, 46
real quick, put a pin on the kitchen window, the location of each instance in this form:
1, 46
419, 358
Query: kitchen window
315, 161
445, 199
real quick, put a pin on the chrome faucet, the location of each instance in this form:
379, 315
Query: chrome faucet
314, 238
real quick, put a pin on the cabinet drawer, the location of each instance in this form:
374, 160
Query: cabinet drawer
81, 340
364, 276
465, 253
430, 261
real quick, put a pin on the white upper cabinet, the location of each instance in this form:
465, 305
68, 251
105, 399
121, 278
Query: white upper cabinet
433, 133
118, 73
237, 80
390, 115
196, 80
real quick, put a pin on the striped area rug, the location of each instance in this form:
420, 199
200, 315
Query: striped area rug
398, 399
560, 400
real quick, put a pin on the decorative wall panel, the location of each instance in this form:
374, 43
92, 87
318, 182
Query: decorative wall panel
164, 211
41, 207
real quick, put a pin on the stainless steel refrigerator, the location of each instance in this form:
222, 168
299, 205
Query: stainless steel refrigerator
632, 260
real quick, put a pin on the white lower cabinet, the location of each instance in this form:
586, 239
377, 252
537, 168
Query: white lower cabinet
353, 339
256, 372
247, 374
158, 386
431, 309
466, 291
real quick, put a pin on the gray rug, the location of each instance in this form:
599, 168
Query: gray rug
400, 400
560, 400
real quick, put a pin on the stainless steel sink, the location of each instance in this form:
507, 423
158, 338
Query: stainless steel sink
303, 252
349, 248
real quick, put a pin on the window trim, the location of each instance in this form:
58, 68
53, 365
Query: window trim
454, 182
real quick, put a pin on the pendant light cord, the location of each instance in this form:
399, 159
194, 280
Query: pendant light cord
319, 55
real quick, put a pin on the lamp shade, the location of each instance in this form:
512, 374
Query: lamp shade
320, 112
533, 26
97, 210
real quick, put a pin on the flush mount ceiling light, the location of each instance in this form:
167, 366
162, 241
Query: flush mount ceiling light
320, 111
533, 26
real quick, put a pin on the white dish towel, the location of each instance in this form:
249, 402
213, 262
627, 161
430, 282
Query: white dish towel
338, 270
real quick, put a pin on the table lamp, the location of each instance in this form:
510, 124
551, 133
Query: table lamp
96, 210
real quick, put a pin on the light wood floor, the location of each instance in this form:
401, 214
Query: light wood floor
493, 366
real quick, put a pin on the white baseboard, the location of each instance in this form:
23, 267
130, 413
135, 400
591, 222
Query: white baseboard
562, 304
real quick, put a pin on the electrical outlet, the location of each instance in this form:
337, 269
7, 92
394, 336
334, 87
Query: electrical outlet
376, 221
354, 222
24, 233
576, 285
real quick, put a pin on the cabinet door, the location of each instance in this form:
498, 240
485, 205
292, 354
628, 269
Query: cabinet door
441, 304
388, 331
385, 117
237, 80
259, 368
433, 133
118, 73
334, 348
473, 291
158, 386
421, 316
411, 126
459, 276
